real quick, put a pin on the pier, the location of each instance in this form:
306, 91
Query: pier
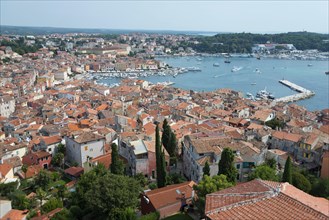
303, 93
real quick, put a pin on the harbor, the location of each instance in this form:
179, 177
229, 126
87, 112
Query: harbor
303, 93
246, 80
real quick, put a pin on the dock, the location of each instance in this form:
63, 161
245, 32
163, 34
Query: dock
303, 93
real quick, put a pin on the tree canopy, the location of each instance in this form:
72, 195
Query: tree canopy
226, 165
300, 181
264, 172
243, 42
112, 194
160, 160
206, 169
209, 185
287, 173
117, 166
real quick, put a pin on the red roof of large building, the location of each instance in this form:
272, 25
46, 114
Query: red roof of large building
260, 199
167, 195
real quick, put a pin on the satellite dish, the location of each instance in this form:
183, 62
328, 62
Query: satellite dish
178, 192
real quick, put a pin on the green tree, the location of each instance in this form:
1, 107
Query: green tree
163, 170
61, 191
169, 139
141, 179
111, 194
42, 179
117, 166
275, 123
7, 188
63, 215
57, 160
263, 172
175, 178
166, 132
321, 188
151, 216
209, 185
300, 181
160, 160
172, 145
24, 169
287, 173
61, 149
87, 181
206, 169
226, 165
19, 200
271, 163
41, 195
52, 204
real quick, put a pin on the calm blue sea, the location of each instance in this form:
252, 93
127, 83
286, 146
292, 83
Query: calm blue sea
270, 72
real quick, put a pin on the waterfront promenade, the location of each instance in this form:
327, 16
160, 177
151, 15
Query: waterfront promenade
303, 93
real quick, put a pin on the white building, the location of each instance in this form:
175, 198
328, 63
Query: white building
83, 147
7, 105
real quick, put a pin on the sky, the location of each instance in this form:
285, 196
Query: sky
183, 15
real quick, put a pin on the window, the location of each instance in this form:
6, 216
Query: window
238, 166
49, 149
86, 148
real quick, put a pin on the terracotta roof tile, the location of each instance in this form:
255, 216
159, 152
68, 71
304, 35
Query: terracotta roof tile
4, 169
105, 159
52, 140
260, 199
88, 137
15, 214
74, 171
168, 195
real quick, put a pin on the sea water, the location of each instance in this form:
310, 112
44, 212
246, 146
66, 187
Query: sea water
253, 75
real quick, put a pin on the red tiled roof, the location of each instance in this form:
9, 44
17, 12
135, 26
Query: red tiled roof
287, 136
260, 199
167, 195
105, 159
74, 171
33, 170
4, 169
15, 214
52, 140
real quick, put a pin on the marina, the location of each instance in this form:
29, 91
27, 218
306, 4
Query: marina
245, 80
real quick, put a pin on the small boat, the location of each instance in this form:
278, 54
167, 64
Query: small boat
257, 71
235, 69
327, 73
216, 64
309, 64
253, 83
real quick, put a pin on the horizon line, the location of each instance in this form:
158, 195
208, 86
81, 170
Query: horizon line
163, 30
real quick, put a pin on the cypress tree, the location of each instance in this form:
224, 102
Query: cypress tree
226, 165
172, 145
163, 170
159, 156
166, 132
206, 169
117, 166
287, 174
